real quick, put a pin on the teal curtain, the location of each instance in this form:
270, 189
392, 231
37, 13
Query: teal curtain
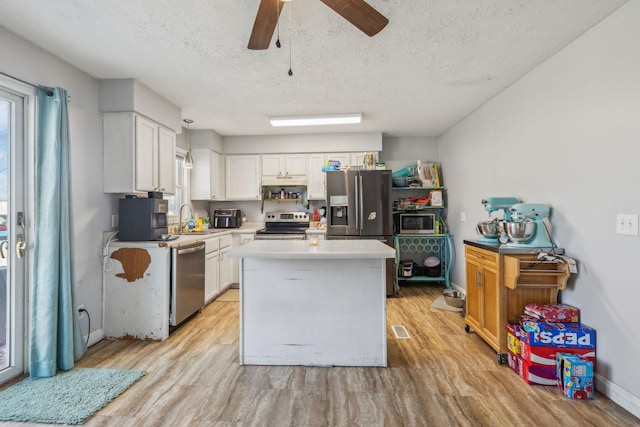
56, 337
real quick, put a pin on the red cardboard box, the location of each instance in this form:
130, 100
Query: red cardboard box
568, 335
553, 312
546, 355
575, 376
532, 374
512, 361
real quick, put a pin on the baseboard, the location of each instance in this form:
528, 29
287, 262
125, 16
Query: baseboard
617, 394
457, 287
94, 337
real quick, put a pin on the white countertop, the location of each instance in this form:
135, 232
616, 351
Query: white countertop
302, 249
247, 227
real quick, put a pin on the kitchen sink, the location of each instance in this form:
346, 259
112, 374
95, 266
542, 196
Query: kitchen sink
195, 233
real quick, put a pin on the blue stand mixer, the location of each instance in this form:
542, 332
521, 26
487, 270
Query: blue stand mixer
490, 230
526, 227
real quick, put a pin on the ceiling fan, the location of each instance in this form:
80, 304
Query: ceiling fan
358, 12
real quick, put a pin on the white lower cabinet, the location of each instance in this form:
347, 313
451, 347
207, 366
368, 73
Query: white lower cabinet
226, 263
211, 270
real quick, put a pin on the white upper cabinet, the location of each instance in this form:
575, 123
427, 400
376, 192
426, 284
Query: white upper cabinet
139, 155
166, 160
315, 176
207, 175
351, 159
274, 165
343, 158
243, 176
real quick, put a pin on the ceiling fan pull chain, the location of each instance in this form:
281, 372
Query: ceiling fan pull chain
290, 71
278, 12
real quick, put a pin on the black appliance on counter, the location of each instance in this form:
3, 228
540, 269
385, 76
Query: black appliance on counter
227, 218
284, 226
360, 206
142, 219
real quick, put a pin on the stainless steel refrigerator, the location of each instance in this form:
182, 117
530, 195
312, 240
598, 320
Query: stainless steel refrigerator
359, 206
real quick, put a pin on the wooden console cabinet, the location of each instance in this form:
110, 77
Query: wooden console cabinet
499, 286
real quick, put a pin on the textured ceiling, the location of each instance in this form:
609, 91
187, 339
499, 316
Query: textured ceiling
433, 64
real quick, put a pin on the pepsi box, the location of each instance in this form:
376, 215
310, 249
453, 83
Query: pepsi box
569, 335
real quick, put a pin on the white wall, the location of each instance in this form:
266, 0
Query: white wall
131, 95
303, 143
568, 134
400, 152
205, 139
91, 207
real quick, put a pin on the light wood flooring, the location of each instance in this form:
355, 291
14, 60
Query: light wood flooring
442, 376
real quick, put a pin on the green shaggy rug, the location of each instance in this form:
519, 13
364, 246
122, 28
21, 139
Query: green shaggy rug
69, 397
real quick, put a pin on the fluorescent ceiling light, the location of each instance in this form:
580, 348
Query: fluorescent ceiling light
336, 119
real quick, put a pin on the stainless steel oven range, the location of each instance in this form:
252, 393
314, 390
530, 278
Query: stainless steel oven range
284, 226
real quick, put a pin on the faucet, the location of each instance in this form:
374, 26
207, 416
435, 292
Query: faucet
180, 215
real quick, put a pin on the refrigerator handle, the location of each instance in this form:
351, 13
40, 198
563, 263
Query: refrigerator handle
360, 202
357, 188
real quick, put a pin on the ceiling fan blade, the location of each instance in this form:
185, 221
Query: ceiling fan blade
265, 24
360, 14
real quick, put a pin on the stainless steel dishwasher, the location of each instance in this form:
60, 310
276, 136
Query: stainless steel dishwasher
187, 281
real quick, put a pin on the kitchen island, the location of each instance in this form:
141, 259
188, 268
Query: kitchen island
322, 305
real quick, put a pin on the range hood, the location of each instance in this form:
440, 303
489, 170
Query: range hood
284, 181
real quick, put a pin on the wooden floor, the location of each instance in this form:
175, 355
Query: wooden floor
442, 376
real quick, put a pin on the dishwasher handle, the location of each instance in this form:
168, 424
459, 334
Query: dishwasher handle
190, 249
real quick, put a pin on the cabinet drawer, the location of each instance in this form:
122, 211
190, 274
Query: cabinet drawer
481, 255
225, 241
211, 245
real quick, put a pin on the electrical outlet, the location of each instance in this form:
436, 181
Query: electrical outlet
80, 313
627, 224
463, 216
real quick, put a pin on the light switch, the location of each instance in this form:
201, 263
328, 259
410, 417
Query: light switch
627, 224
463, 216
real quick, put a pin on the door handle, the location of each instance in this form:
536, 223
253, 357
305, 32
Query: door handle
360, 192
3, 249
357, 197
21, 246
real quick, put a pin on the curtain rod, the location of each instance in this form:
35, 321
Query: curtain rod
28, 83
20, 80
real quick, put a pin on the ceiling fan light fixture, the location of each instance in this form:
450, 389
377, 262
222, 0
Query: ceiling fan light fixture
336, 119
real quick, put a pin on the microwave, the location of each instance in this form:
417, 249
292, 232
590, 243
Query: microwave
415, 223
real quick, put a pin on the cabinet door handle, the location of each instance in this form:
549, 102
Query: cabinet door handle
477, 277
477, 256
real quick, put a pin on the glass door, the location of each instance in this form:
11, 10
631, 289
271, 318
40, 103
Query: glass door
13, 146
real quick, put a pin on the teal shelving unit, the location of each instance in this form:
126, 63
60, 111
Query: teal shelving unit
419, 246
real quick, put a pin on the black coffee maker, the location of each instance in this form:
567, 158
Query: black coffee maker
142, 219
